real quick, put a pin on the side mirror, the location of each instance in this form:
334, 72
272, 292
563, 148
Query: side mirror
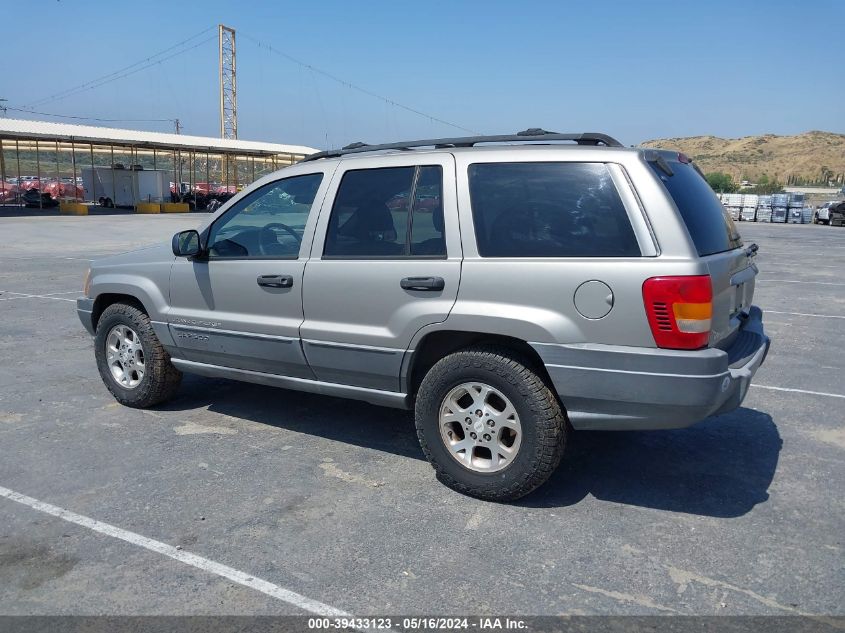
186, 243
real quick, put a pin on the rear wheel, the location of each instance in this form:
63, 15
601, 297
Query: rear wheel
132, 362
489, 425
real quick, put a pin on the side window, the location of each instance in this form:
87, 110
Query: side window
267, 223
549, 210
391, 212
427, 231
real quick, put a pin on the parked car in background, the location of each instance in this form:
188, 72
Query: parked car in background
837, 214
822, 214
34, 199
506, 293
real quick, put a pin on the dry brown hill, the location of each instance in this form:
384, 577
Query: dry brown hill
784, 158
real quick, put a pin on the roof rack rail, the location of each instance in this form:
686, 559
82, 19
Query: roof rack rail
531, 134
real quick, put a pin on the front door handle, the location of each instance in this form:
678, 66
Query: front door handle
275, 281
423, 283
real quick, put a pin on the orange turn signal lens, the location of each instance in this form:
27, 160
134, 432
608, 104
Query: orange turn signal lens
698, 311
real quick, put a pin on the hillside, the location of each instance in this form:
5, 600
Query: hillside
784, 158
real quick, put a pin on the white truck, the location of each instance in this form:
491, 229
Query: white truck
119, 187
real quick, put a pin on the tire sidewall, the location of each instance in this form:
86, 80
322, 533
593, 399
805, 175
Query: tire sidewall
105, 325
427, 413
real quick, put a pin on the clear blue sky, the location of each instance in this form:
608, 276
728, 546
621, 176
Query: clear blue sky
636, 70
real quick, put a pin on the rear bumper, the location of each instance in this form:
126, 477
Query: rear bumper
85, 310
610, 387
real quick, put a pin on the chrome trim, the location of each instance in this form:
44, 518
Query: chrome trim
352, 346
206, 330
392, 399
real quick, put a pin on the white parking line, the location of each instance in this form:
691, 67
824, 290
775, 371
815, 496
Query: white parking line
820, 316
242, 578
798, 281
812, 393
21, 295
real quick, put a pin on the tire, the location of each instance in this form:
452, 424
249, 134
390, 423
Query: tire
156, 379
543, 424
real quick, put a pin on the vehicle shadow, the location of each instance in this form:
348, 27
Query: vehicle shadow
338, 419
721, 467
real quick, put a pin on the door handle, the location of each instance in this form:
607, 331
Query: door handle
275, 281
423, 283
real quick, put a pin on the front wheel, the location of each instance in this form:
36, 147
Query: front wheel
489, 424
132, 362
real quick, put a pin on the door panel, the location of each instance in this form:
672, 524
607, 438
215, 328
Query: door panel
241, 306
220, 315
359, 320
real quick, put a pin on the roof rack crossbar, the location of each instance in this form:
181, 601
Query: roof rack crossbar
533, 134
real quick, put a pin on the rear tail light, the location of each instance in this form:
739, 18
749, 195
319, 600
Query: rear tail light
680, 310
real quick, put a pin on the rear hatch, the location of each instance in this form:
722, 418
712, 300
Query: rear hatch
715, 236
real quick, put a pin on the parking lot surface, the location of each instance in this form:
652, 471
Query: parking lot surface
331, 500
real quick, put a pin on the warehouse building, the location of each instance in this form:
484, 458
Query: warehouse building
53, 157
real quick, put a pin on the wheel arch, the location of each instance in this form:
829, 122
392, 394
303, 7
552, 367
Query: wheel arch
106, 299
439, 343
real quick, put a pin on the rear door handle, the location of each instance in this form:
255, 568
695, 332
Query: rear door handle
423, 283
275, 281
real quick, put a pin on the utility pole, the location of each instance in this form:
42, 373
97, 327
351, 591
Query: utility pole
2, 107
178, 124
228, 83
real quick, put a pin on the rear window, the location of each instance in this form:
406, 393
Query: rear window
711, 228
549, 210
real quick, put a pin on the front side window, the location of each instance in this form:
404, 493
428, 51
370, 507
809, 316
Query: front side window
549, 210
267, 223
390, 212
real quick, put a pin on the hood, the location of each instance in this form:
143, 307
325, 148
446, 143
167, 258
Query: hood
145, 255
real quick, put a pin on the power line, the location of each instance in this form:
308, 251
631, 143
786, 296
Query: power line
349, 84
117, 74
90, 118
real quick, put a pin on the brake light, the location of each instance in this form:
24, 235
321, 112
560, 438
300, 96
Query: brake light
680, 310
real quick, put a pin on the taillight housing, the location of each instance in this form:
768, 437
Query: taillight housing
680, 310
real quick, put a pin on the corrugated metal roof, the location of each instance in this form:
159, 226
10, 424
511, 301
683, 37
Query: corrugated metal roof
21, 129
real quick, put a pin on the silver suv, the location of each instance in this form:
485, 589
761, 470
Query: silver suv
508, 289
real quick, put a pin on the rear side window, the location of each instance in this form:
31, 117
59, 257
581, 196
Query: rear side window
549, 210
392, 212
711, 228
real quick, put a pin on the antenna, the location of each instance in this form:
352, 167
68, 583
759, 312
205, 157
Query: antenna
228, 83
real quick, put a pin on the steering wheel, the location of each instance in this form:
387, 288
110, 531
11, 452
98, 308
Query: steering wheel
267, 238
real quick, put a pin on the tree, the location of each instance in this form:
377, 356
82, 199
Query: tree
721, 183
766, 188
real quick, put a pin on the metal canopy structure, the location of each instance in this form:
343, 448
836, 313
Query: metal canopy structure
50, 157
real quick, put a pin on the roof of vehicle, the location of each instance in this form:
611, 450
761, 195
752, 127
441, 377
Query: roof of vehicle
533, 137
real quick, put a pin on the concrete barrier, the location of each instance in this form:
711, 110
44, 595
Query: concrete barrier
148, 207
175, 207
73, 208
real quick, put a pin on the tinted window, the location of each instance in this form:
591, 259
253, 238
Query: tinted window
711, 228
269, 222
548, 210
427, 233
389, 212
